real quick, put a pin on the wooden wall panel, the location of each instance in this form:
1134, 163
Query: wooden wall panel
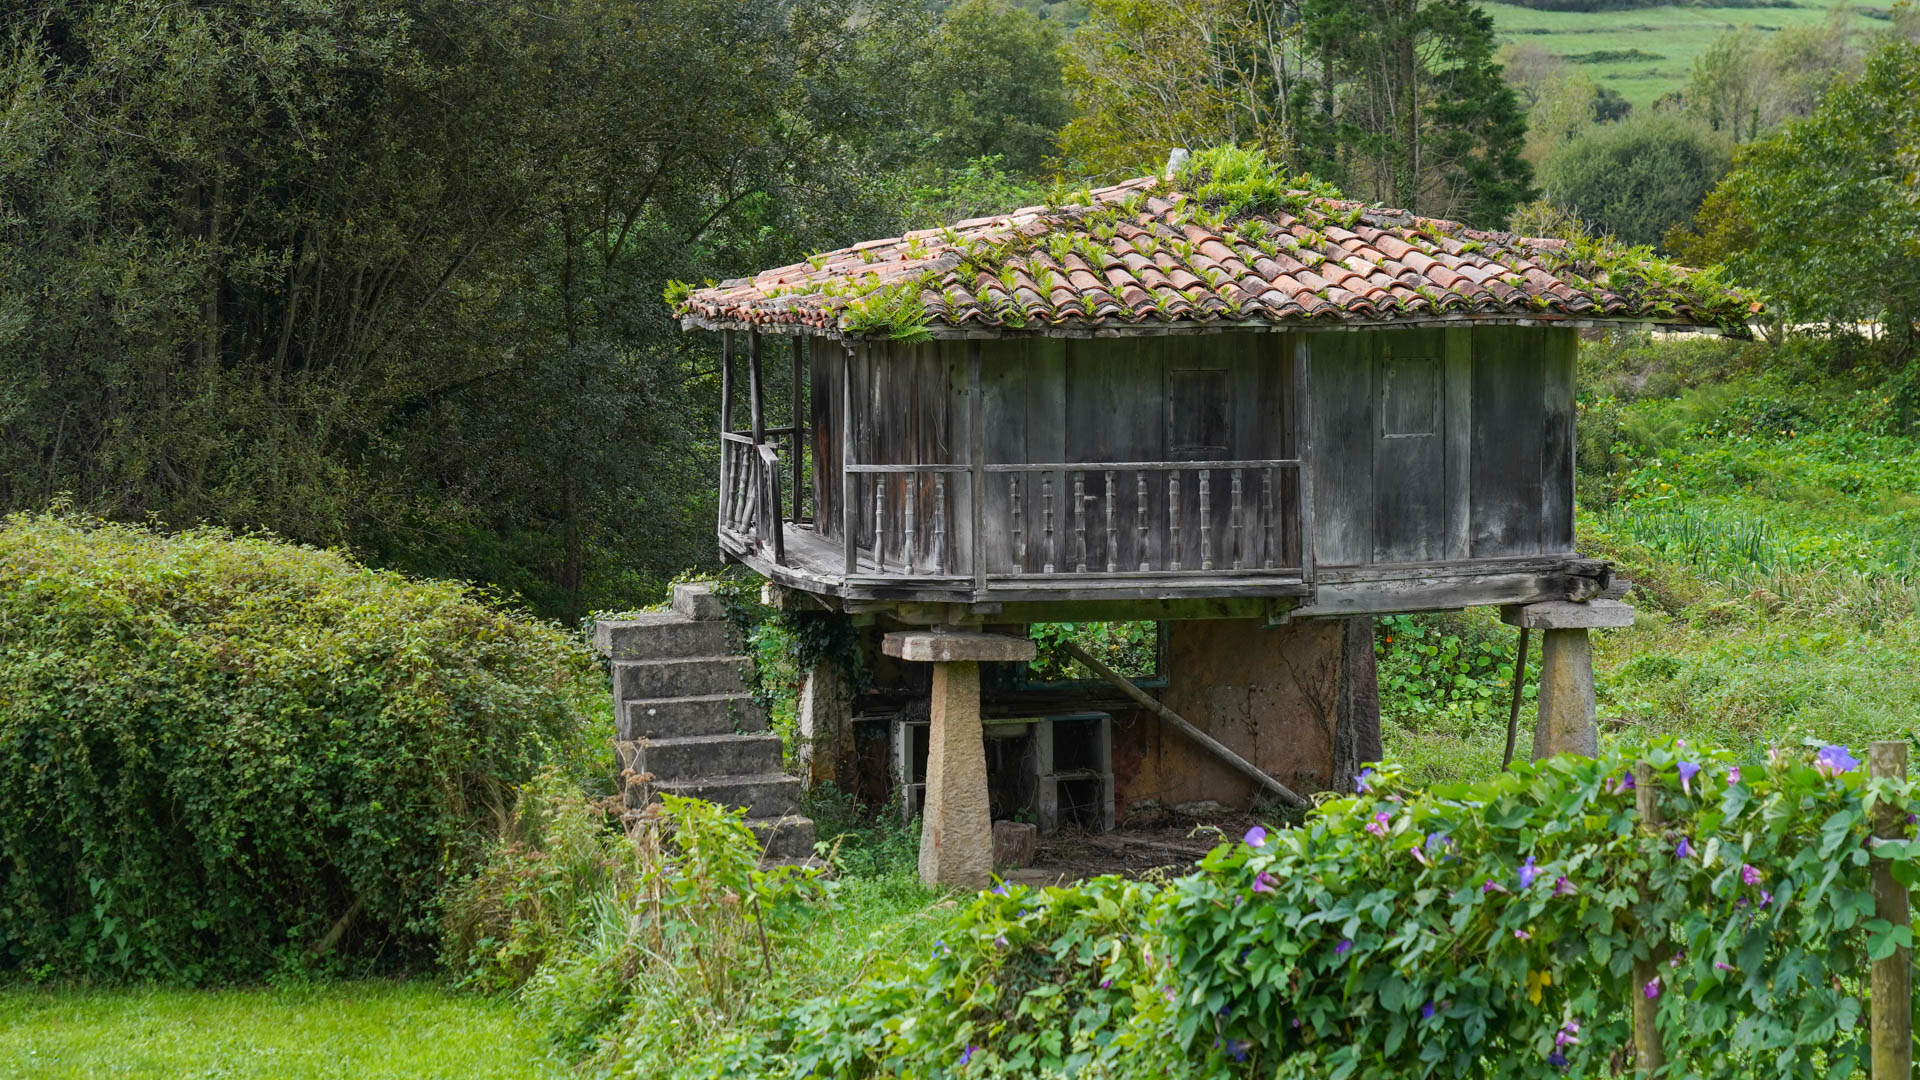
1343, 445
1561, 349
1509, 384
1409, 456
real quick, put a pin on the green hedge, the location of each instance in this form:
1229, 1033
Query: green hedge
1488, 929
215, 751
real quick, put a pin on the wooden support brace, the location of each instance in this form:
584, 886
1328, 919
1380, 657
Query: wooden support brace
1649, 1052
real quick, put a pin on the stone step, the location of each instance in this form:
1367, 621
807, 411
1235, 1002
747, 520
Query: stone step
765, 795
677, 718
701, 756
688, 676
663, 635
698, 601
787, 837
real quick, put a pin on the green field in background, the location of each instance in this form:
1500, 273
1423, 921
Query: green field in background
1675, 34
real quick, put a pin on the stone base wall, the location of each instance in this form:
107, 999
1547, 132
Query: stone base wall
1299, 701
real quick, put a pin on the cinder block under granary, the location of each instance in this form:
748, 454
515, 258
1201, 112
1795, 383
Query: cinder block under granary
1253, 416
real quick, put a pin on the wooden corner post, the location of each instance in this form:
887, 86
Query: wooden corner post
1891, 989
1648, 1051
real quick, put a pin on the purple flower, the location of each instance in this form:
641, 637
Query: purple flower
1749, 874
1237, 1049
1623, 782
1265, 882
1563, 887
1733, 775
1363, 782
1568, 1035
1168, 990
939, 948
1687, 770
1341, 949
1000, 889
1106, 984
1523, 935
1378, 826
1652, 989
1765, 898
1678, 959
1426, 1011
1834, 760
967, 1054
1492, 886
1683, 849
1719, 965
1000, 940
1557, 1059
1528, 873
1256, 837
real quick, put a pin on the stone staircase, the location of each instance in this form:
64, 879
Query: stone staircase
684, 720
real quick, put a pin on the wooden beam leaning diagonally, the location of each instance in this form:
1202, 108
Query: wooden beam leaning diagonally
1124, 685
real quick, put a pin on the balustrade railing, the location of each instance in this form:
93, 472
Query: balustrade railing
1078, 519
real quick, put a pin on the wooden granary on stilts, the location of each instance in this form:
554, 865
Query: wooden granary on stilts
1256, 416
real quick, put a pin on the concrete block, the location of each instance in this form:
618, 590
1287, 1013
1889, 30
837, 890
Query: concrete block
663, 635
680, 677
786, 837
953, 646
826, 726
678, 718
764, 795
697, 601
701, 755
1568, 615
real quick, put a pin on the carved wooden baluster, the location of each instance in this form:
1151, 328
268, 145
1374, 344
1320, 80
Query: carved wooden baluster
1239, 534
913, 511
1079, 522
939, 523
879, 522
1206, 519
1019, 525
1266, 517
1046, 498
1173, 517
1113, 535
1140, 517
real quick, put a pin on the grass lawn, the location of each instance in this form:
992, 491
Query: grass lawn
1674, 34
363, 1030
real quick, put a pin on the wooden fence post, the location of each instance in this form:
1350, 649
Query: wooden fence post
1648, 1051
1891, 993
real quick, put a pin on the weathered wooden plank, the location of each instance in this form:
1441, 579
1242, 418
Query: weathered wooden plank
823, 393
1561, 349
1409, 459
797, 419
1508, 386
1341, 372
726, 424
1459, 443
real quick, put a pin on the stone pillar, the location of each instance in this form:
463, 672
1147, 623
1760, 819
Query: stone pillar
1566, 719
956, 826
826, 725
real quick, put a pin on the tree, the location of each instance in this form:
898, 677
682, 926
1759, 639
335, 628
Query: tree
989, 85
1637, 178
1825, 212
388, 275
1397, 100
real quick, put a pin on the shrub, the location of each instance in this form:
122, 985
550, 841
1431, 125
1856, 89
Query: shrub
220, 754
1491, 929
1637, 178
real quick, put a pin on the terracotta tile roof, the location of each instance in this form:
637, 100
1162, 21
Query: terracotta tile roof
1144, 258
